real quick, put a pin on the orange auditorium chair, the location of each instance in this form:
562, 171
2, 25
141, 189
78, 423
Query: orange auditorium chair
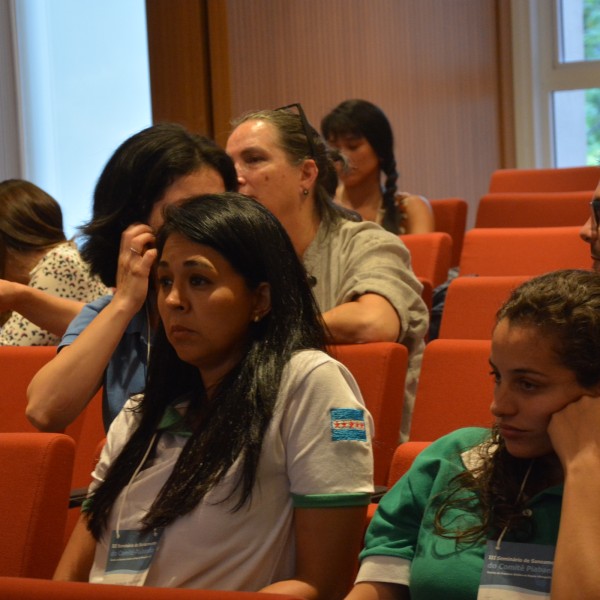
522, 251
566, 179
455, 388
18, 365
450, 215
35, 481
402, 460
17, 588
430, 255
541, 209
471, 305
380, 371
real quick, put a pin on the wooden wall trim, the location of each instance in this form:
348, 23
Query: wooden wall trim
178, 50
220, 75
506, 104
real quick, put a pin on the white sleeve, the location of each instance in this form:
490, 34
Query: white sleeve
327, 432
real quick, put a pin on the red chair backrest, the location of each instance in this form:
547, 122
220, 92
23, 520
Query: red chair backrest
403, 459
380, 371
455, 388
560, 209
471, 304
430, 255
566, 179
523, 251
35, 481
450, 215
18, 365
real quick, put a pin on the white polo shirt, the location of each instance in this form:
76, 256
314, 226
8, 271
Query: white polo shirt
316, 453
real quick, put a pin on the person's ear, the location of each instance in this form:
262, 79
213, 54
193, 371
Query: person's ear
308, 173
262, 301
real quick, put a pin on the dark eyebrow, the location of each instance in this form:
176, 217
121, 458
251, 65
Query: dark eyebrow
519, 371
201, 263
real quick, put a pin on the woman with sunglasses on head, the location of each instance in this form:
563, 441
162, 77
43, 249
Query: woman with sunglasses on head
112, 337
236, 467
363, 135
484, 513
362, 280
43, 279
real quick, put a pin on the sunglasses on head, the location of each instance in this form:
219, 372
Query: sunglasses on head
595, 204
305, 126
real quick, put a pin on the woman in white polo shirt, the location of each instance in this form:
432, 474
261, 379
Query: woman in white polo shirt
247, 463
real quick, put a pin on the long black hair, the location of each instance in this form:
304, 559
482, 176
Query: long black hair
564, 307
258, 248
135, 178
362, 119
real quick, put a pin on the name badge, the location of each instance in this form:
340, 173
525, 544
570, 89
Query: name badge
130, 555
516, 571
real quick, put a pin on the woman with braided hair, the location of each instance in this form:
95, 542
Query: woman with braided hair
362, 133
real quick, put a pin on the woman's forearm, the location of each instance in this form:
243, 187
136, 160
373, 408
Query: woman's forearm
78, 556
44, 310
60, 391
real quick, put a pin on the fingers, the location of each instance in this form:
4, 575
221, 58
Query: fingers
136, 239
575, 428
136, 257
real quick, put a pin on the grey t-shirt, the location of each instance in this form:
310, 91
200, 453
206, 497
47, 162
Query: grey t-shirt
349, 259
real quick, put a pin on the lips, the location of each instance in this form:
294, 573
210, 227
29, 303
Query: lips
508, 431
179, 330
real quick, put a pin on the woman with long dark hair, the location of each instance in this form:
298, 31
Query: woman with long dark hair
247, 463
112, 336
369, 176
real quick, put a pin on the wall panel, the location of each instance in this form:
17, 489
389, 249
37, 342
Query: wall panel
434, 66
440, 69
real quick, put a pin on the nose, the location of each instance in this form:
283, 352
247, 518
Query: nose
503, 404
174, 299
588, 232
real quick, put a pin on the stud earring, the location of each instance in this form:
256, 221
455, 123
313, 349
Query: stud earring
256, 318
305, 192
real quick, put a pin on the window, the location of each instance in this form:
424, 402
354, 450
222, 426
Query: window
556, 57
83, 80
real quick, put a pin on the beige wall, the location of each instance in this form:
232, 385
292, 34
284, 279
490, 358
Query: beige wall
439, 69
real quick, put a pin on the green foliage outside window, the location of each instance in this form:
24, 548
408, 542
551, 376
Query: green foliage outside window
591, 16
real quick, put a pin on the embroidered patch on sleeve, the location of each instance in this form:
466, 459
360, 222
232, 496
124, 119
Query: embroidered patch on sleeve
348, 424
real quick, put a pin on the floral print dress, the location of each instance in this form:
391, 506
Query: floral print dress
61, 272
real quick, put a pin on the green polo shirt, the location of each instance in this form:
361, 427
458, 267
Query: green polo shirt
401, 545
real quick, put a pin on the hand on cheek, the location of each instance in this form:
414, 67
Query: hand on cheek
575, 433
